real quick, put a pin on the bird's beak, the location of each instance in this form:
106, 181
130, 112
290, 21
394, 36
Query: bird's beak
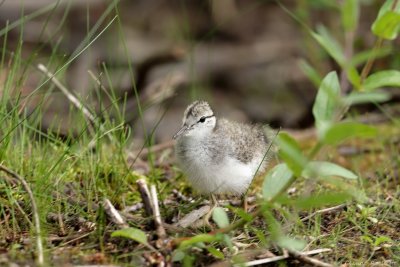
181, 131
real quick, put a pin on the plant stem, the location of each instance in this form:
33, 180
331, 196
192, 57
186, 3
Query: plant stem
368, 66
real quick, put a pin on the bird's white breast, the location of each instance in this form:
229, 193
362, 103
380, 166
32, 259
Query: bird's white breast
209, 174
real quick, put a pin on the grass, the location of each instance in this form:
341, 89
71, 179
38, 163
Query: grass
71, 175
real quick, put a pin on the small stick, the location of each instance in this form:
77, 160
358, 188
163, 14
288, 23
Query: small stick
145, 194
327, 210
285, 256
113, 213
304, 258
157, 216
133, 208
39, 243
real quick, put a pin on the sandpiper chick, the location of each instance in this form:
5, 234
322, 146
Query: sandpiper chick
217, 155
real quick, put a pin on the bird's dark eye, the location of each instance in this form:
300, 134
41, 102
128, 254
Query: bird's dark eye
202, 119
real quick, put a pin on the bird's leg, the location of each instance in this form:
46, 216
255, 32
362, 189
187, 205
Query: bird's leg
214, 203
244, 202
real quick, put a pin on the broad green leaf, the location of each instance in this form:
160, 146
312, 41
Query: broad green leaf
382, 79
290, 152
216, 253
206, 238
345, 130
318, 201
387, 24
178, 255
310, 72
366, 97
325, 168
331, 46
220, 217
350, 13
291, 243
276, 180
326, 102
131, 233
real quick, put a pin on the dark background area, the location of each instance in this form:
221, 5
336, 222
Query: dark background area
242, 56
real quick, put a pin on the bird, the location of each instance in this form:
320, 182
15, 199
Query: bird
217, 155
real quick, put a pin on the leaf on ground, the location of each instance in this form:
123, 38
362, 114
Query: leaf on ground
220, 217
131, 233
200, 238
216, 253
291, 243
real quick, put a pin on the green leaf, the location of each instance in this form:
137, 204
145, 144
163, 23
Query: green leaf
325, 168
291, 243
241, 213
350, 13
331, 46
382, 79
387, 22
363, 56
341, 131
276, 180
321, 200
220, 217
290, 152
216, 253
206, 238
131, 233
326, 102
178, 255
310, 72
381, 239
366, 97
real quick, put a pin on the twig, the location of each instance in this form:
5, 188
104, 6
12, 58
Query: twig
304, 258
282, 257
133, 208
71, 221
327, 210
39, 243
157, 216
145, 194
181, 196
113, 213
193, 216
